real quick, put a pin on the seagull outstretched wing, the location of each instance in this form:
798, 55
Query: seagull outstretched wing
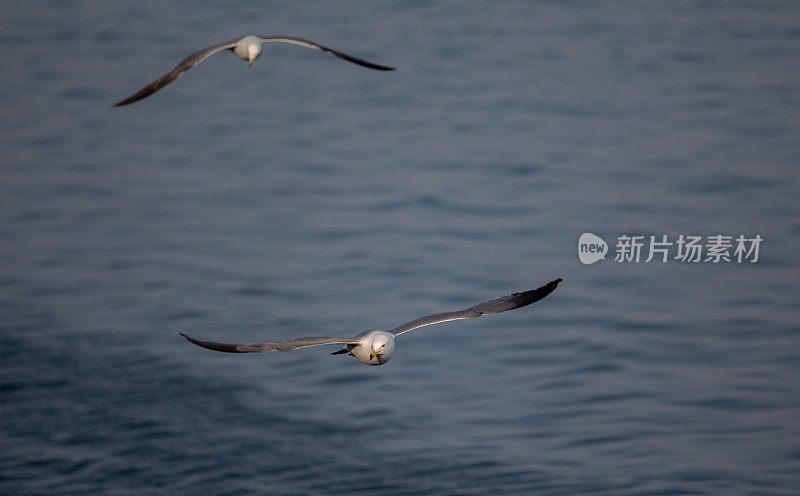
497, 305
316, 46
186, 64
198, 57
292, 344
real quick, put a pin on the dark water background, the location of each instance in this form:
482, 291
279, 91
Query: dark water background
310, 196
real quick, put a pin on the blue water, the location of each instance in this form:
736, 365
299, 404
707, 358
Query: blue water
309, 196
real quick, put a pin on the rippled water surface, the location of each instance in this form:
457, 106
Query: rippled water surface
309, 196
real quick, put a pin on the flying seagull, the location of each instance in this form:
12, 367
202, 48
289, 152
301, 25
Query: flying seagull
376, 347
246, 48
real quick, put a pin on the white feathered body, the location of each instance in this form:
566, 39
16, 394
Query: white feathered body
375, 347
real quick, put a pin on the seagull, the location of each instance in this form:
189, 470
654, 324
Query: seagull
247, 48
376, 347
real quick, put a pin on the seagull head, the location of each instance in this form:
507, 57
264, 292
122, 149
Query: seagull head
382, 348
253, 52
249, 49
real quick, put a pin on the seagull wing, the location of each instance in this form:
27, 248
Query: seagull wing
293, 344
508, 302
316, 46
186, 64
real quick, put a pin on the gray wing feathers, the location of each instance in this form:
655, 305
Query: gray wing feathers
497, 305
316, 46
186, 64
290, 345
436, 318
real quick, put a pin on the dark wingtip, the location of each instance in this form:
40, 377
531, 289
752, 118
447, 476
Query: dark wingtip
370, 65
356, 60
139, 95
549, 287
213, 345
527, 297
126, 101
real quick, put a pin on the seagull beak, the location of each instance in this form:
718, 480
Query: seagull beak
372, 355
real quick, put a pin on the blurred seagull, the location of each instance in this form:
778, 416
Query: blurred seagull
246, 48
376, 347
